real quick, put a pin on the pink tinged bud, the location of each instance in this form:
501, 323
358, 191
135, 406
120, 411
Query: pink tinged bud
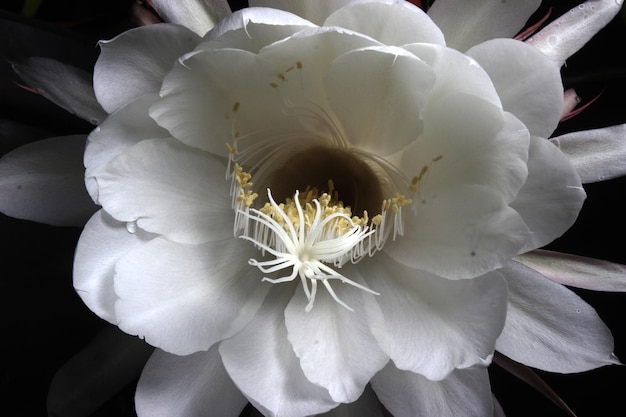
571, 100
418, 3
143, 16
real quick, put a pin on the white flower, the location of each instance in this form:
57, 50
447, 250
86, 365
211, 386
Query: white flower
298, 203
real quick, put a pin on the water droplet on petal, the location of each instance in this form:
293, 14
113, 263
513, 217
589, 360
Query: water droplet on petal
552, 40
131, 227
581, 6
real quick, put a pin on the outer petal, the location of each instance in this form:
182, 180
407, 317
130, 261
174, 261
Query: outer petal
576, 271
466, 23
121, 130
551, 198
198, 15
263, 365
66, 86
426, 329
598, 154
570, 32
187, 386
170, 189
456, 73
528, 83
460, 232
109, 362
251, 29
135, 62
383, 116
391, 22
314, 10
335, 346
103, 242
464, 393
42, 181
551, 328
185, 298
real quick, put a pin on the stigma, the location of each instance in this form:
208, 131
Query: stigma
304, 237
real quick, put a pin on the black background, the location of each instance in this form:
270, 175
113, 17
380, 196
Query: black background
43, 323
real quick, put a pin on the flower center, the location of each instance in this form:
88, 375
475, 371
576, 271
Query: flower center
311, 232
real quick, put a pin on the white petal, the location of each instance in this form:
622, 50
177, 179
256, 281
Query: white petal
479, 144
262, 364
102, 243
313, 10
366, 406
198, 97
433, 325
598, 154
391, 22
528, 83
466, 23
251, 29
551, 198
576, 271
367, 90
549, 327
459, 232
66, 86
170, 189
43, 181
185, 298
135, 62
456, 73
464, 393
566, 35
335, 346
198, 15
121, 130
274, 93
187, 386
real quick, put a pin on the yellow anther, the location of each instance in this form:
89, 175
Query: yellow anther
235, 107
437, 158
281, 77
243, 178
231, 149
422, 172
299, 65
273, 85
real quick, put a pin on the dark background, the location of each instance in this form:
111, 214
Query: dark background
43, 323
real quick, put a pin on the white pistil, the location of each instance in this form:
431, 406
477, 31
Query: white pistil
305, 246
